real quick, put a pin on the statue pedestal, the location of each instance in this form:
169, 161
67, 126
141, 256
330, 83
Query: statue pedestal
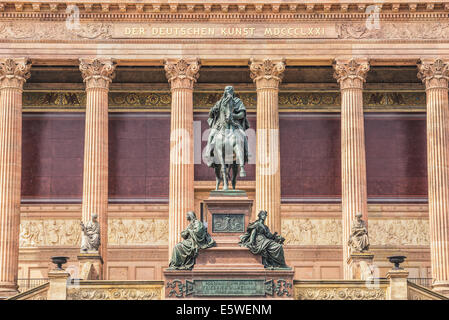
360, 265
228, 271
91, 266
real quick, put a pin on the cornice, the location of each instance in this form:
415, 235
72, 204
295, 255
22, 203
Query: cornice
198, 10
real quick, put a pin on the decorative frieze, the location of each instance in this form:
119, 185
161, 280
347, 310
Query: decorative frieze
80, 293
161, 100
140, 231
332, 293
66, 232
382, 232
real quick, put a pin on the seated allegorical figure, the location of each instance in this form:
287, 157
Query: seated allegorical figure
358, 239
195, 237
260, 241
90, 241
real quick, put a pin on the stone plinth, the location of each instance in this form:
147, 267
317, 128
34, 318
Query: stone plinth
58, 285
360, 265
91, 266
398, 284
228, 214
238, 283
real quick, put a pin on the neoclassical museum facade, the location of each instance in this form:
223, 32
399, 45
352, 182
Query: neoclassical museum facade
104, 108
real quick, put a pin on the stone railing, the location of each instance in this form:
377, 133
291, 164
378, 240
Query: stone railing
417, 292
36, 293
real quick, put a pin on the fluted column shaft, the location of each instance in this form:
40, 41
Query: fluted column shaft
182, 75
97, 74
13, 73
267, 75
435, 75
351, 76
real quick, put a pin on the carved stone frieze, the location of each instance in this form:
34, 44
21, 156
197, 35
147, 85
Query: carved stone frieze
311, 231
319, 293
137, 231
382, 232
399, 232
49, 232
391, 30
38, 30
114, 293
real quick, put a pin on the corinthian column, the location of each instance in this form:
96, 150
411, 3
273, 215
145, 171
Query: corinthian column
13, 73
267, 75
351, 75
435, 75
181, 74
97, 74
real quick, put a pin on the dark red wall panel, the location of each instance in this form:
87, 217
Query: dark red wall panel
396, 155
310, 155
52, 159
139, 155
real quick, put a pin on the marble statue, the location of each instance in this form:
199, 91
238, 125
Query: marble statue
90, 241
358, 239
260, 241
228, 123
195, 237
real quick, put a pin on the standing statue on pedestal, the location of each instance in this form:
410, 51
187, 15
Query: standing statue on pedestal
90, 241
260, 241
358, 239
227, 145
195, 237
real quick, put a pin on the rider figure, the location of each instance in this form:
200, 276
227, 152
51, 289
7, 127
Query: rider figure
239, 120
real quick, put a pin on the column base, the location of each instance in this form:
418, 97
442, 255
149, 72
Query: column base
360, 265
8, 289
90, 266
442, 287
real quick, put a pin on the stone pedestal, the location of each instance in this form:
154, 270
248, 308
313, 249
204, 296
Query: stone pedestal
228, 270
398, 284
90, 266
58, 285
360, 265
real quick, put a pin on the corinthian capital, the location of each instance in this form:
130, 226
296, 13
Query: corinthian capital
434, 73
267, 73
14, 72
351, 73
97, 73
182, 73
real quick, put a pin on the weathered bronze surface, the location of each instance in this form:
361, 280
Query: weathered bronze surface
259, 240
224, 222
195, 237
358, 239
227, 145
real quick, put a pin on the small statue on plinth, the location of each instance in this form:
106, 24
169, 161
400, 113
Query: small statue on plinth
358, 239
90, 241
195, 237
260, 241
227, 145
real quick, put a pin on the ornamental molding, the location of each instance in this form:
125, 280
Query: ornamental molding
267, 73
193, 8
80, 293
333, 293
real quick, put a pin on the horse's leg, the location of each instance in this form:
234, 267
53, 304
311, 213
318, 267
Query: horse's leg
235, 170
221, 156
240, 154
217, 176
